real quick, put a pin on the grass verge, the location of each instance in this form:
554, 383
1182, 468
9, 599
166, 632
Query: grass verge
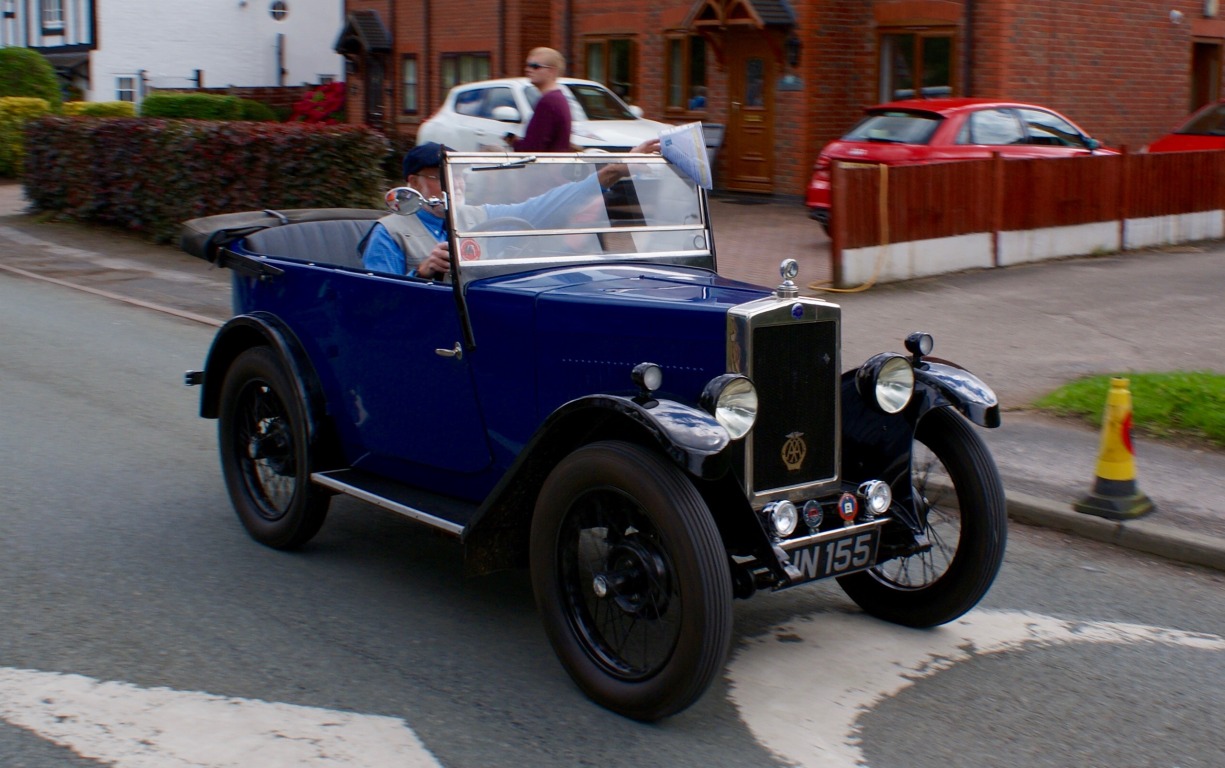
1180, 405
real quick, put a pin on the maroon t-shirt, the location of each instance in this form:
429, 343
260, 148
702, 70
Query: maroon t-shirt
549, 128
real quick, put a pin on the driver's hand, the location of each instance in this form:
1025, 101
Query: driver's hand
438, 264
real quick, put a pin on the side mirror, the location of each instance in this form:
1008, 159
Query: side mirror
506, 114
1092, 144
636, 110
404, 200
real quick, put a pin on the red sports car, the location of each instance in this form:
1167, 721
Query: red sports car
940, 130
1204, 129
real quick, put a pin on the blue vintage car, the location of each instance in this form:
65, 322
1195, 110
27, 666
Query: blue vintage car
586, 397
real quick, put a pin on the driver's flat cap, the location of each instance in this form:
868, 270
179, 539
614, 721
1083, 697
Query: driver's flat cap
422, 156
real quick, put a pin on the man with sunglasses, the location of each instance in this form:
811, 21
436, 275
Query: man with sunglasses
549, 128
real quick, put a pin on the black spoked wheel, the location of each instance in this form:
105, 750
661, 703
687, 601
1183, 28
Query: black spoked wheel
265, 455
959, 497
632, 580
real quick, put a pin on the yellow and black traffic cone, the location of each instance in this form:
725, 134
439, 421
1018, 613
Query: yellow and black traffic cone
1114, 493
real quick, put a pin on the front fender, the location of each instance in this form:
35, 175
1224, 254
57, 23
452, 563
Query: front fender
877, 445
958, 388
497, 536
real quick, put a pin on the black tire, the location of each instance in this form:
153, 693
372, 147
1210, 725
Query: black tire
651, 645
960, 499
265, 452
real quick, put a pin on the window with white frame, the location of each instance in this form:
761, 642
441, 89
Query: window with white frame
125, 88
408, 83
52, 15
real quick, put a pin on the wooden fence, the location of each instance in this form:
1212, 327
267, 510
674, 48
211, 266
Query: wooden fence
900, 222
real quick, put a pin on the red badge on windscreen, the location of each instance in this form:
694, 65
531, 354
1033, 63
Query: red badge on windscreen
469, 250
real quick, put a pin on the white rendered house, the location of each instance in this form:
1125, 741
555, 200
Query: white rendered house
118, 50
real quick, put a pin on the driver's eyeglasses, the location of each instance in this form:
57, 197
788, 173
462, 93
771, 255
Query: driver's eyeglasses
537, 65
432, 177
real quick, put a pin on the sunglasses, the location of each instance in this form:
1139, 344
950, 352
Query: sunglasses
536, 65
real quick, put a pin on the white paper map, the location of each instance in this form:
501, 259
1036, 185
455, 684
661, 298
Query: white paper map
685, 147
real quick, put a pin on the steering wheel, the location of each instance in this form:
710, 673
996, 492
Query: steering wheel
503, 224
506, 247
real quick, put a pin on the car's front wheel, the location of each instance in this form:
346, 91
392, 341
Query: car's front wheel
631, 579
960, 499
265, 452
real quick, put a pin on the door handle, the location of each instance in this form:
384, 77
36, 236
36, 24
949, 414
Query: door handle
457, 352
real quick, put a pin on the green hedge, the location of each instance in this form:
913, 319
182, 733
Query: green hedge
250, 109
192, 106
100, 108
151, 175
15, 112
26, 72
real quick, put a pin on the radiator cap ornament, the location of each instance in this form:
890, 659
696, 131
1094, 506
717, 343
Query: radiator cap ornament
788, 290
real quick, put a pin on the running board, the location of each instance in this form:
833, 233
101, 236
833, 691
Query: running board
447, 514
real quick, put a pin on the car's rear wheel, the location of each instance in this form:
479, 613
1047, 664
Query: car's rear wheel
631, 579
960, 499
265, 452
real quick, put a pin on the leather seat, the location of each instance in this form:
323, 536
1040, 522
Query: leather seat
324, 242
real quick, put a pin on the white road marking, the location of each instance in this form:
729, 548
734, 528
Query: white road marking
801, 699
132, 727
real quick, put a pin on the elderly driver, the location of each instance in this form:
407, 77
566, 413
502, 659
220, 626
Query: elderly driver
416, 245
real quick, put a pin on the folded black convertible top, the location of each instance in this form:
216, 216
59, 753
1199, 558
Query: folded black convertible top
205, 236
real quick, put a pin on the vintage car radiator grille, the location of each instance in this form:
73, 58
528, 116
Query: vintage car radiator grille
795, 369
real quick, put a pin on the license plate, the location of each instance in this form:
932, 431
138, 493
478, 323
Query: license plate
834, 553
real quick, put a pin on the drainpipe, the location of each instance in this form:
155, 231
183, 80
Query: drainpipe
394, 68
427, 59
568, 31
968, 58
502, 37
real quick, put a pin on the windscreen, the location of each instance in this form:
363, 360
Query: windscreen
514, 213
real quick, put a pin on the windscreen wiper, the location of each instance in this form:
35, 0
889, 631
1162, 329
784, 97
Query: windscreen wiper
518, 162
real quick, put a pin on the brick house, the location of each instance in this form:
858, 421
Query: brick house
786, 76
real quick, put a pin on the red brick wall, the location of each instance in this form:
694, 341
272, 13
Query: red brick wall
1120, 69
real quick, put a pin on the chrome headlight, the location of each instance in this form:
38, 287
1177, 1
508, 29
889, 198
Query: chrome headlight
783, 517
886, 381
877, 497
732, 400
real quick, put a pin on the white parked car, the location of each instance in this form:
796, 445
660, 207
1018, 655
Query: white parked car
476, 116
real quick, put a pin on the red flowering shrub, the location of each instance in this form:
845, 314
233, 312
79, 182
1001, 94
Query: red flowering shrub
323, 104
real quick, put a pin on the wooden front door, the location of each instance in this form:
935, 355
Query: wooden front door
748, 145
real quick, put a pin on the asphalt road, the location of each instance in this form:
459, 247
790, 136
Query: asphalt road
142, 626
